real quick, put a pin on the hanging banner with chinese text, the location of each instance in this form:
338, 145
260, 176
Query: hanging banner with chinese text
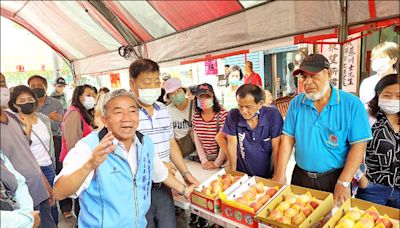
115, 80
211, 67
350, 64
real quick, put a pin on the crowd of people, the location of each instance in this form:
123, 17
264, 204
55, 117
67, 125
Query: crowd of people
112, 156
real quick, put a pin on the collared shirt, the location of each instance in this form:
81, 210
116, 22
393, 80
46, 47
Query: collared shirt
383, 153
323, 139
253, 78
254, 145
81, 153
53, 105
21, 217
158, 127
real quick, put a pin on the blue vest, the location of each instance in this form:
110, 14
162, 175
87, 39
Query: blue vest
115, 198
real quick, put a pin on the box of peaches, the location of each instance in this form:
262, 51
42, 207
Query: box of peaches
243, 204
207, 194
359, 213
296, 207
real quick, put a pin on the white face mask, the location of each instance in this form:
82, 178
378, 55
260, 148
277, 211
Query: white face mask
149, 96
389, 106
5, 97
88, 103
381, 65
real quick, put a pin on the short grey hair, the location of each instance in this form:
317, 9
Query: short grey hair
114, 94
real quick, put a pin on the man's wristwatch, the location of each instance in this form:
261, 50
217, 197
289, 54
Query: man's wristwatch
184, 174
183, 191
344, 183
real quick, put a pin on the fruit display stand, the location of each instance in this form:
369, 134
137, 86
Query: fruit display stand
323, 204
206, 195
360, 207
244, 214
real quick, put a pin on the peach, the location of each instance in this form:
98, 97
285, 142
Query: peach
284, 220
249, 195
225, 186
226, 181
283, 206
305, 198
275, 214
290, 212
307, 210
256, 206
297, 206
291, 199
373, 214
354, 214
263, 199
346, 222
217, 189
384, 221
225, 176
242, 201
259, 187
271, 192
298, 219
314, 204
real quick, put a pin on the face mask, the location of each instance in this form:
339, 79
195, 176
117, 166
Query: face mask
381, 65
255, 115
234, 82
178, 99
149, 96
205, 104
5, 96
88, 103
389, 106
27, 108
39, 92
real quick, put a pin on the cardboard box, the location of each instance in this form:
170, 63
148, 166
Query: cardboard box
213, 204
363, 205
315, 217
241, 213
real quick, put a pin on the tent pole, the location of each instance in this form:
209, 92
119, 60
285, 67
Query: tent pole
342, 37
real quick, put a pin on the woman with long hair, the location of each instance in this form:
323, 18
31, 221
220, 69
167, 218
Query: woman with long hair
383, 150
76, 124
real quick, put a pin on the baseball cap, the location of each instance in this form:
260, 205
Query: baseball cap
204, 88
171, 85
312, 64
60, 81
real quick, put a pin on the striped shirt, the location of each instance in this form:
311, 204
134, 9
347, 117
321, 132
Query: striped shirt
207, 130
158, 127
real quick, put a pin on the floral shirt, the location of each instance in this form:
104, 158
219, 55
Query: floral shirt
383, 154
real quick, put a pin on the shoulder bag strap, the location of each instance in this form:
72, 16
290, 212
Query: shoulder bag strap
48, 151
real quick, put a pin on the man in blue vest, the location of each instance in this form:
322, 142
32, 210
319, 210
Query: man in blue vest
112, 170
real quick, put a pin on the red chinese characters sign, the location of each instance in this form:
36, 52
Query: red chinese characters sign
115, 80
211, 67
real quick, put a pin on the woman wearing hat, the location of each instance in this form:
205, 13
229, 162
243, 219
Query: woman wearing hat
208, 120
180, 110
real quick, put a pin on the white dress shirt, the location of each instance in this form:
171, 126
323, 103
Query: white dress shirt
81, 153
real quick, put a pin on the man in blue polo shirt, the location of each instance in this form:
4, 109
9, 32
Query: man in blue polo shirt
330, 130
253, 133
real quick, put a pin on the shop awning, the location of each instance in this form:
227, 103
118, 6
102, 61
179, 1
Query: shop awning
89, 33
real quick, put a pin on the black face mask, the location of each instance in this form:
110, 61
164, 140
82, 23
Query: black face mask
39, 92
27, 108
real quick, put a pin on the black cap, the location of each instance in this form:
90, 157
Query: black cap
60, 81
204, 88
312, 64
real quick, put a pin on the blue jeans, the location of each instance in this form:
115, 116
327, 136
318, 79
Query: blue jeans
380, 194
50, 173
162, 211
